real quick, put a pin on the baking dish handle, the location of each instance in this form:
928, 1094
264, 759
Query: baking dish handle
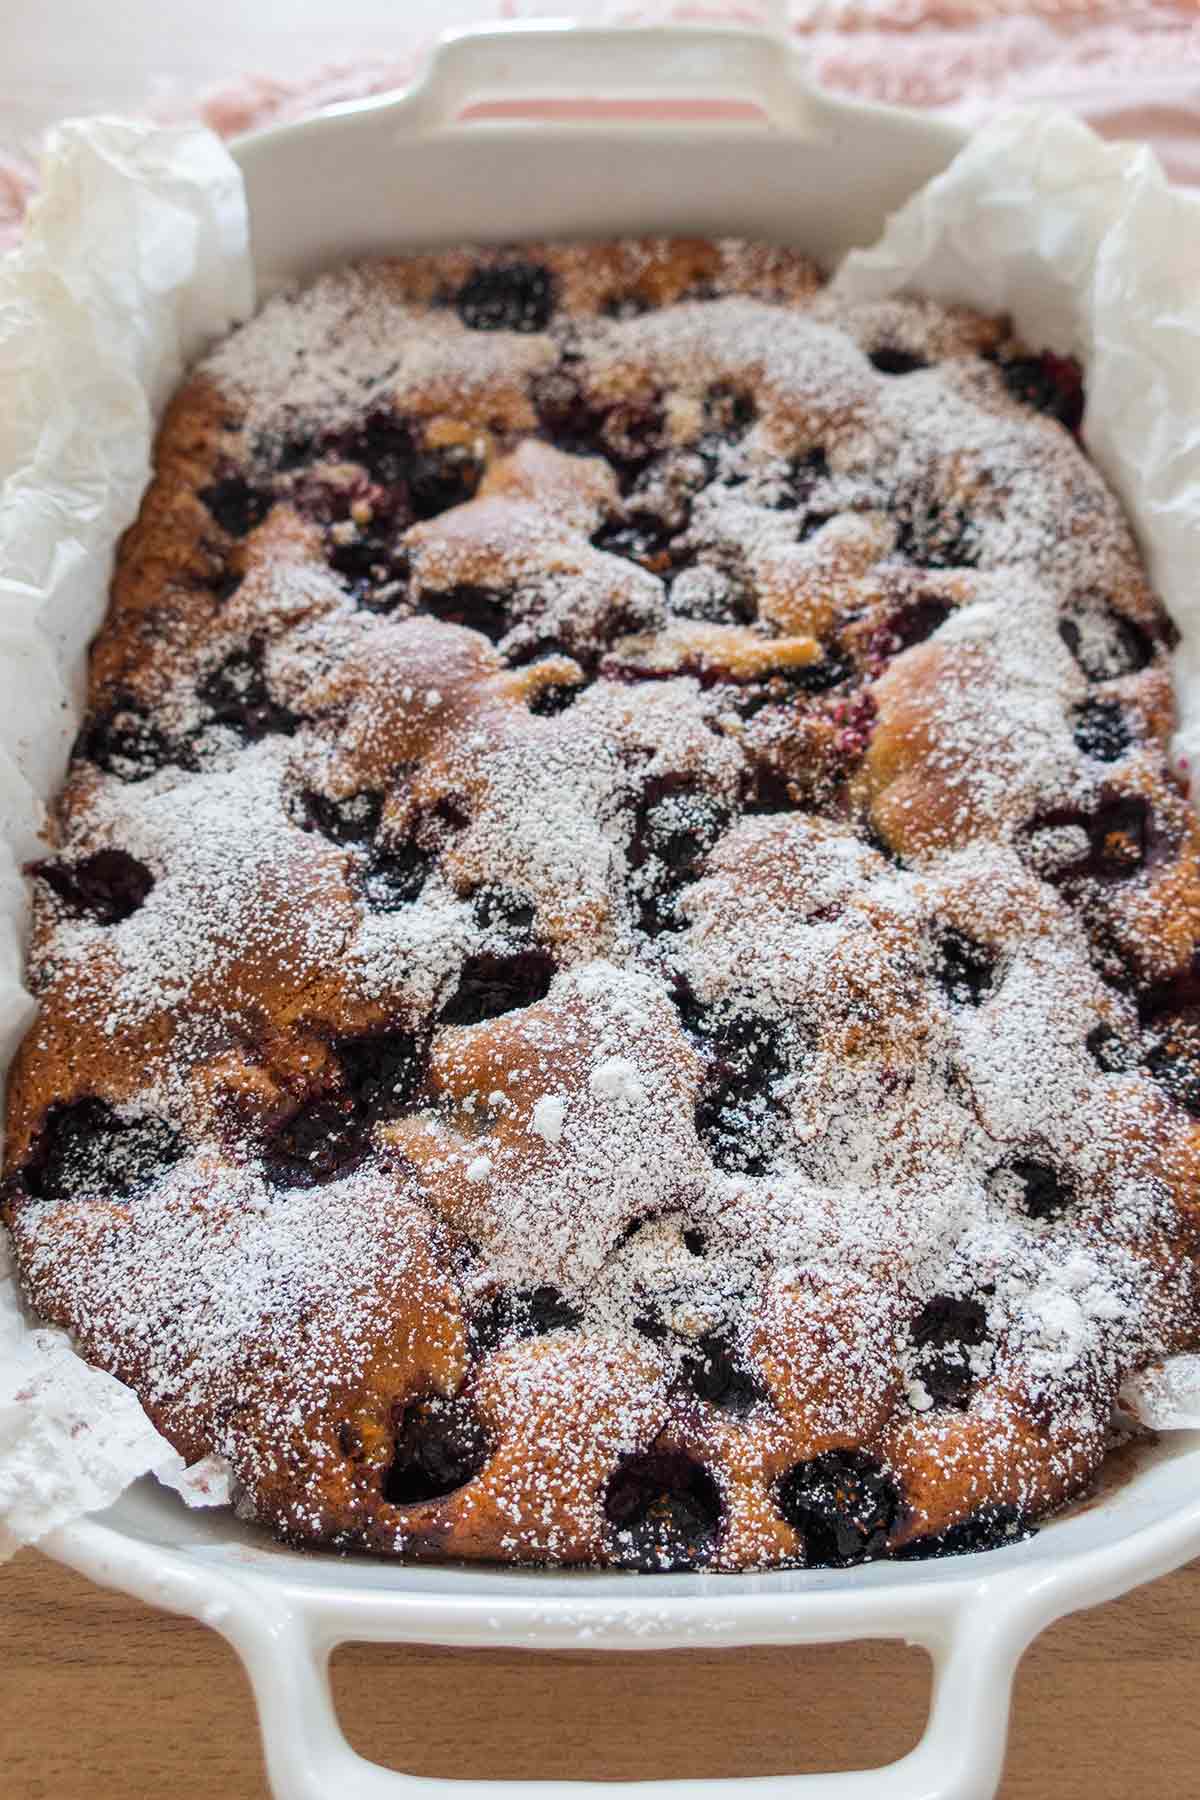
975, 1651
539, 69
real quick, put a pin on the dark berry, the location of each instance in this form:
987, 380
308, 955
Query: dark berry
477, 608
674, 827
236, 695
353, 819
383, 445
628, 434
945, 1329
889, 359
491, 1324
448, 811
1119, 832
802, 475
1111, 1051
330, 1136
696, 1018
965, 969
718, 594
818, 677
1118, 837
125, 743
223, 587
680, 846
320, 1141
384, 1072
394, 875
728, 412
419, 482
781, 687
549, 1311
107, 886
642, 538
287, 453
675, 822
737, 1116
440, 1445
490, 985
913, 622
522, 655
991, 1528
85, 1151
549, 701
440, 479
842, 1504
633, 433
374, 567
1174, 1060
770, 791
502, 909
718, 1376
1101, 731
661, 912
949, 1319
564, 413
934, 535
649, 1325
516, 296
665, 1510
1048, 383
1037, 1189
235, 505
529, 1312
1111, 645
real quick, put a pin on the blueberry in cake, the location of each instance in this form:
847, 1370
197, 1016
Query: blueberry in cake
617, 970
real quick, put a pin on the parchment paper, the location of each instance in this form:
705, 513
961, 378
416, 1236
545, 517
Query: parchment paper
137, 257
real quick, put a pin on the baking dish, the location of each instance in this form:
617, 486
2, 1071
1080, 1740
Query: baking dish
550, 131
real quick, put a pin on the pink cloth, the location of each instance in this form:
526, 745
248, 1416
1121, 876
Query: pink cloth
1133, 71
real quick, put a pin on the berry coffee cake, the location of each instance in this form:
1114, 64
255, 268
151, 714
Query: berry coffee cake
616, 971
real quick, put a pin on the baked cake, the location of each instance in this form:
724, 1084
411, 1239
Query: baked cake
617, 970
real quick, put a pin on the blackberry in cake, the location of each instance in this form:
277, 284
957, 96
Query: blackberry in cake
617, 960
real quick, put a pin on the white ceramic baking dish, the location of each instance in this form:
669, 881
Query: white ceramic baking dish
544, 131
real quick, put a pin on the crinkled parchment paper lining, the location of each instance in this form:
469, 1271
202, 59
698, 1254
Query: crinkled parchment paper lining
137, 257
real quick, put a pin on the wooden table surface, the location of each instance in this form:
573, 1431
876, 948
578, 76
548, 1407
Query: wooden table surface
102, 1699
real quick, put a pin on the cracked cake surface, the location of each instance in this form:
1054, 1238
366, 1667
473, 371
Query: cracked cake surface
616, 962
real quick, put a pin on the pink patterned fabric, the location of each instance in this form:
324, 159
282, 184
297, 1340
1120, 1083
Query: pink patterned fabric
1131, 70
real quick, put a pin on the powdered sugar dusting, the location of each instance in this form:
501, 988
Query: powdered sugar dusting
644, 979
